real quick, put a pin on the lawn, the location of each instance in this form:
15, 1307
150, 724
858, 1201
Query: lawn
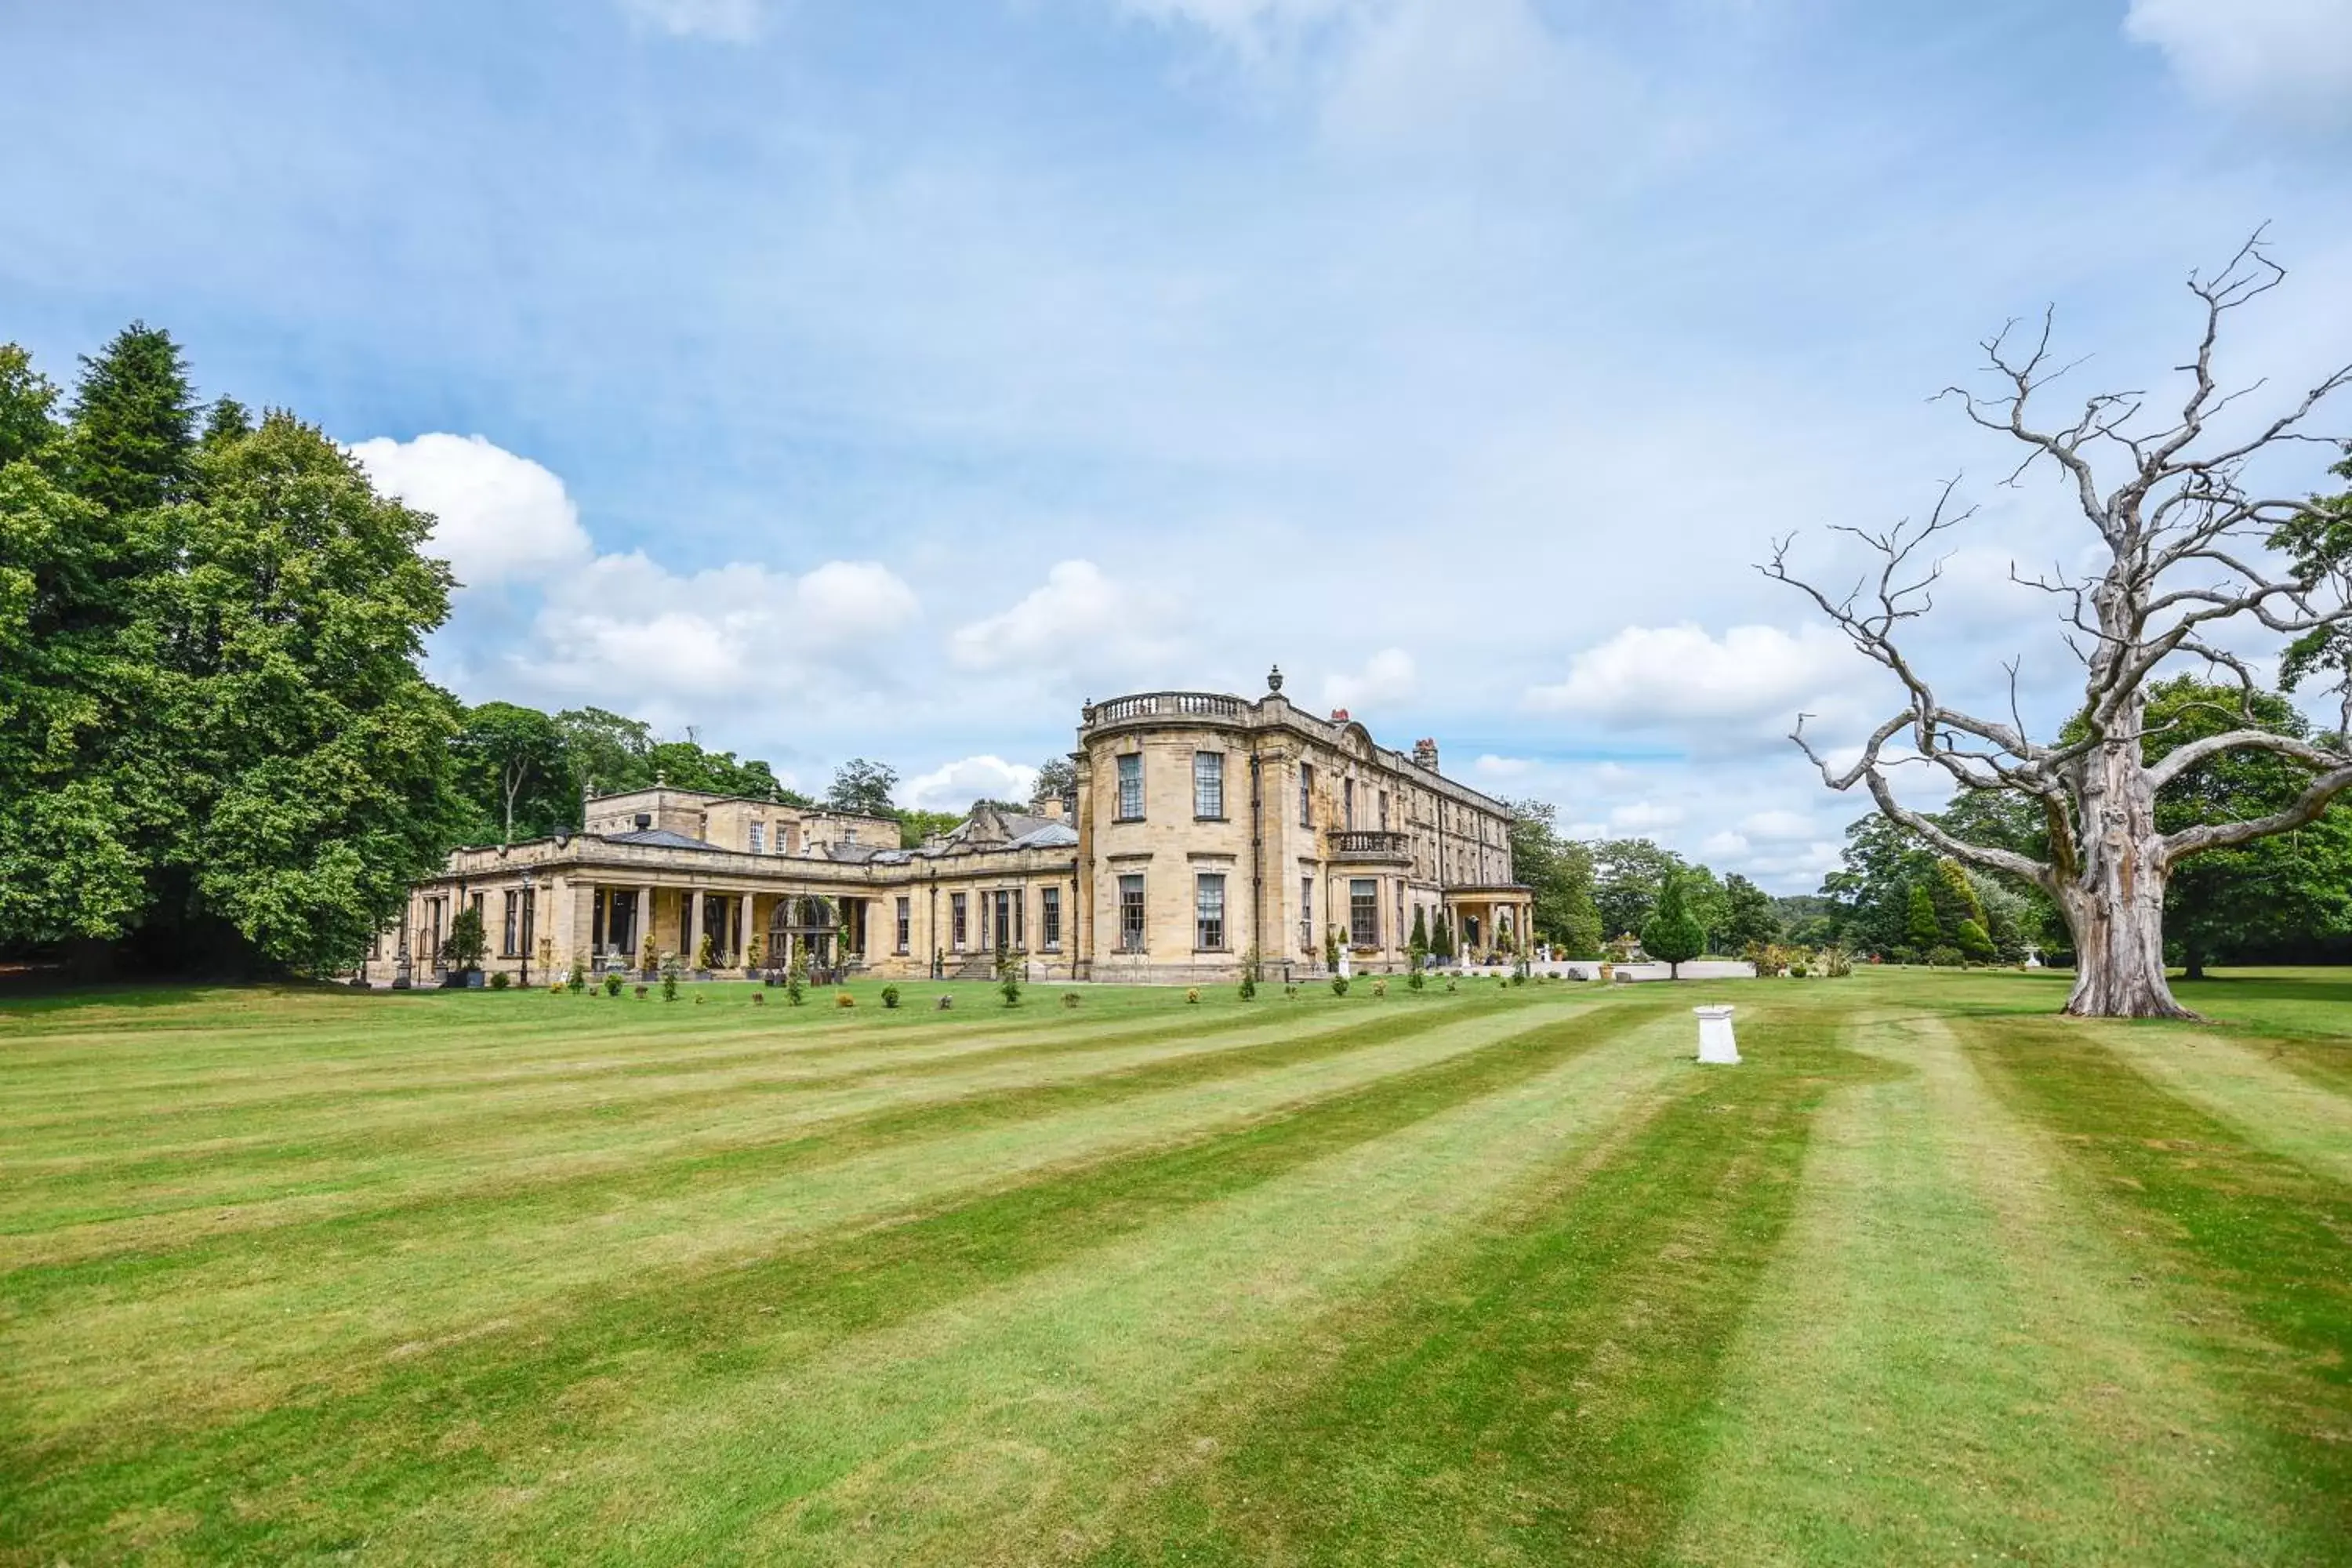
1493, 1276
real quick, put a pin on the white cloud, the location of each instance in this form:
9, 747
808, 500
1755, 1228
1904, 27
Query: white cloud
725, 21
1494, 767
1725, 843
1778, 826
1077, 616
1387, 676
1643, 817
1250, 27
1663, 675
955, 785
2289, 59
497, 517
626, 626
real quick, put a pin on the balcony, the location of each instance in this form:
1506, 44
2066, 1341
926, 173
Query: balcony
1166, 705
1359, 844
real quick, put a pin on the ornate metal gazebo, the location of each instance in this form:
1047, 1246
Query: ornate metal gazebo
805, 924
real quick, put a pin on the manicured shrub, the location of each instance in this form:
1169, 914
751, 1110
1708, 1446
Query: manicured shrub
670, 981
1798, 970
612, 982
796, 987
891, 997
500, 981
1415, 981
1249, 986
641, 993
844, 999
1379, 987
1193, 994
1069, 999
577, 981
1339, 985
1008, 985
698, 998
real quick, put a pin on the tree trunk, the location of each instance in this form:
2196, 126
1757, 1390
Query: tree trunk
2115, 906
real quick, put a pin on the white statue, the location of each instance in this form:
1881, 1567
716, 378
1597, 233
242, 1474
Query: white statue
1345, 973
1716, 1043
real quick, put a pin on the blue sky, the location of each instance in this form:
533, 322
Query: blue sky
882, 379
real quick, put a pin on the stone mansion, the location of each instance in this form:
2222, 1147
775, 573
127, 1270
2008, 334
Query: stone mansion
1202, 826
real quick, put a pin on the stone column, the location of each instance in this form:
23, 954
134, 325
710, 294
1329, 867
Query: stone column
690, 928
643, 926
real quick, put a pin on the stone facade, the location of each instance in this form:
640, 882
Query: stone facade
1203, 826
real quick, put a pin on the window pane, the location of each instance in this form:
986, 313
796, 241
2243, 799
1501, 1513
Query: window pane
1364, 912
956, 914
1049, 917
1131, 914
906, 923
1208, 784
1306, 914
1209, 911
1306, 795
1130, 785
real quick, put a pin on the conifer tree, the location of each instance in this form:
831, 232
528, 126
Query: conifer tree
1672, 933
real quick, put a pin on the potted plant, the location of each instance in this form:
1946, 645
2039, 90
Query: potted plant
704, 957
465, 947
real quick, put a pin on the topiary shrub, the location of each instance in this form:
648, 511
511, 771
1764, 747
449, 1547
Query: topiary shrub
612, 984
1379, 987
577, 981
642, 992
1193, 994
670, 981
1798, 970
1415, 981
1339, 985
891, 997
1069, 998
844, 999
796, 987
501, 980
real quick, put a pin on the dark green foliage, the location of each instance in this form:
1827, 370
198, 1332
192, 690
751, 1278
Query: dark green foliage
501, 981
1750, 915
1057, 777
1628, 876
864, 787
612, 983
466, 942
670, 981
1921, 928
1673, 935
1974, 943
2319, 544
891, 997
1944, 957
1339, 985
133, 438
1441, 942
2274, 892
27, 401
1560, 872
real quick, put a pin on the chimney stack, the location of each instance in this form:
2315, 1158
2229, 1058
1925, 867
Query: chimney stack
1425, 752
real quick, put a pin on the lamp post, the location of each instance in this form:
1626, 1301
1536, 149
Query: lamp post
527, 923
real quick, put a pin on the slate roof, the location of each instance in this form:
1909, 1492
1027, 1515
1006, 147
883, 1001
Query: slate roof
660, 837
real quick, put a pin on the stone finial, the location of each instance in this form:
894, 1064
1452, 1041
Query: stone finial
1274, 678
1086, 711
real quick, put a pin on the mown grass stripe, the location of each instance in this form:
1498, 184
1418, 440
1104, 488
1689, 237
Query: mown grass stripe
2250, 1252
382, 1204
377, 1438
472, 1152
1948, 1362
1530, 1394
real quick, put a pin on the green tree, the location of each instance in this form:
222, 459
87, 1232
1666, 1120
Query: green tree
133, 440
1955, 899
1057, 777
467, 944
1441, 941
605, 753
1970, 937
1560, 872
1673, 935
2278, 892
864, 787
512, 756
1750, 915
1628, 875
1417, 945
2318, 541
1921, 928
28, 398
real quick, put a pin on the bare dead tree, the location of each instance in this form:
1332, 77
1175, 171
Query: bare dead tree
2189, 559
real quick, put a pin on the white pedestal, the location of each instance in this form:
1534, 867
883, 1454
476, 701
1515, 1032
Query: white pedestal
1716, 1043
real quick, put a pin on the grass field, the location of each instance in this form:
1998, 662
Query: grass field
1498, 1277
